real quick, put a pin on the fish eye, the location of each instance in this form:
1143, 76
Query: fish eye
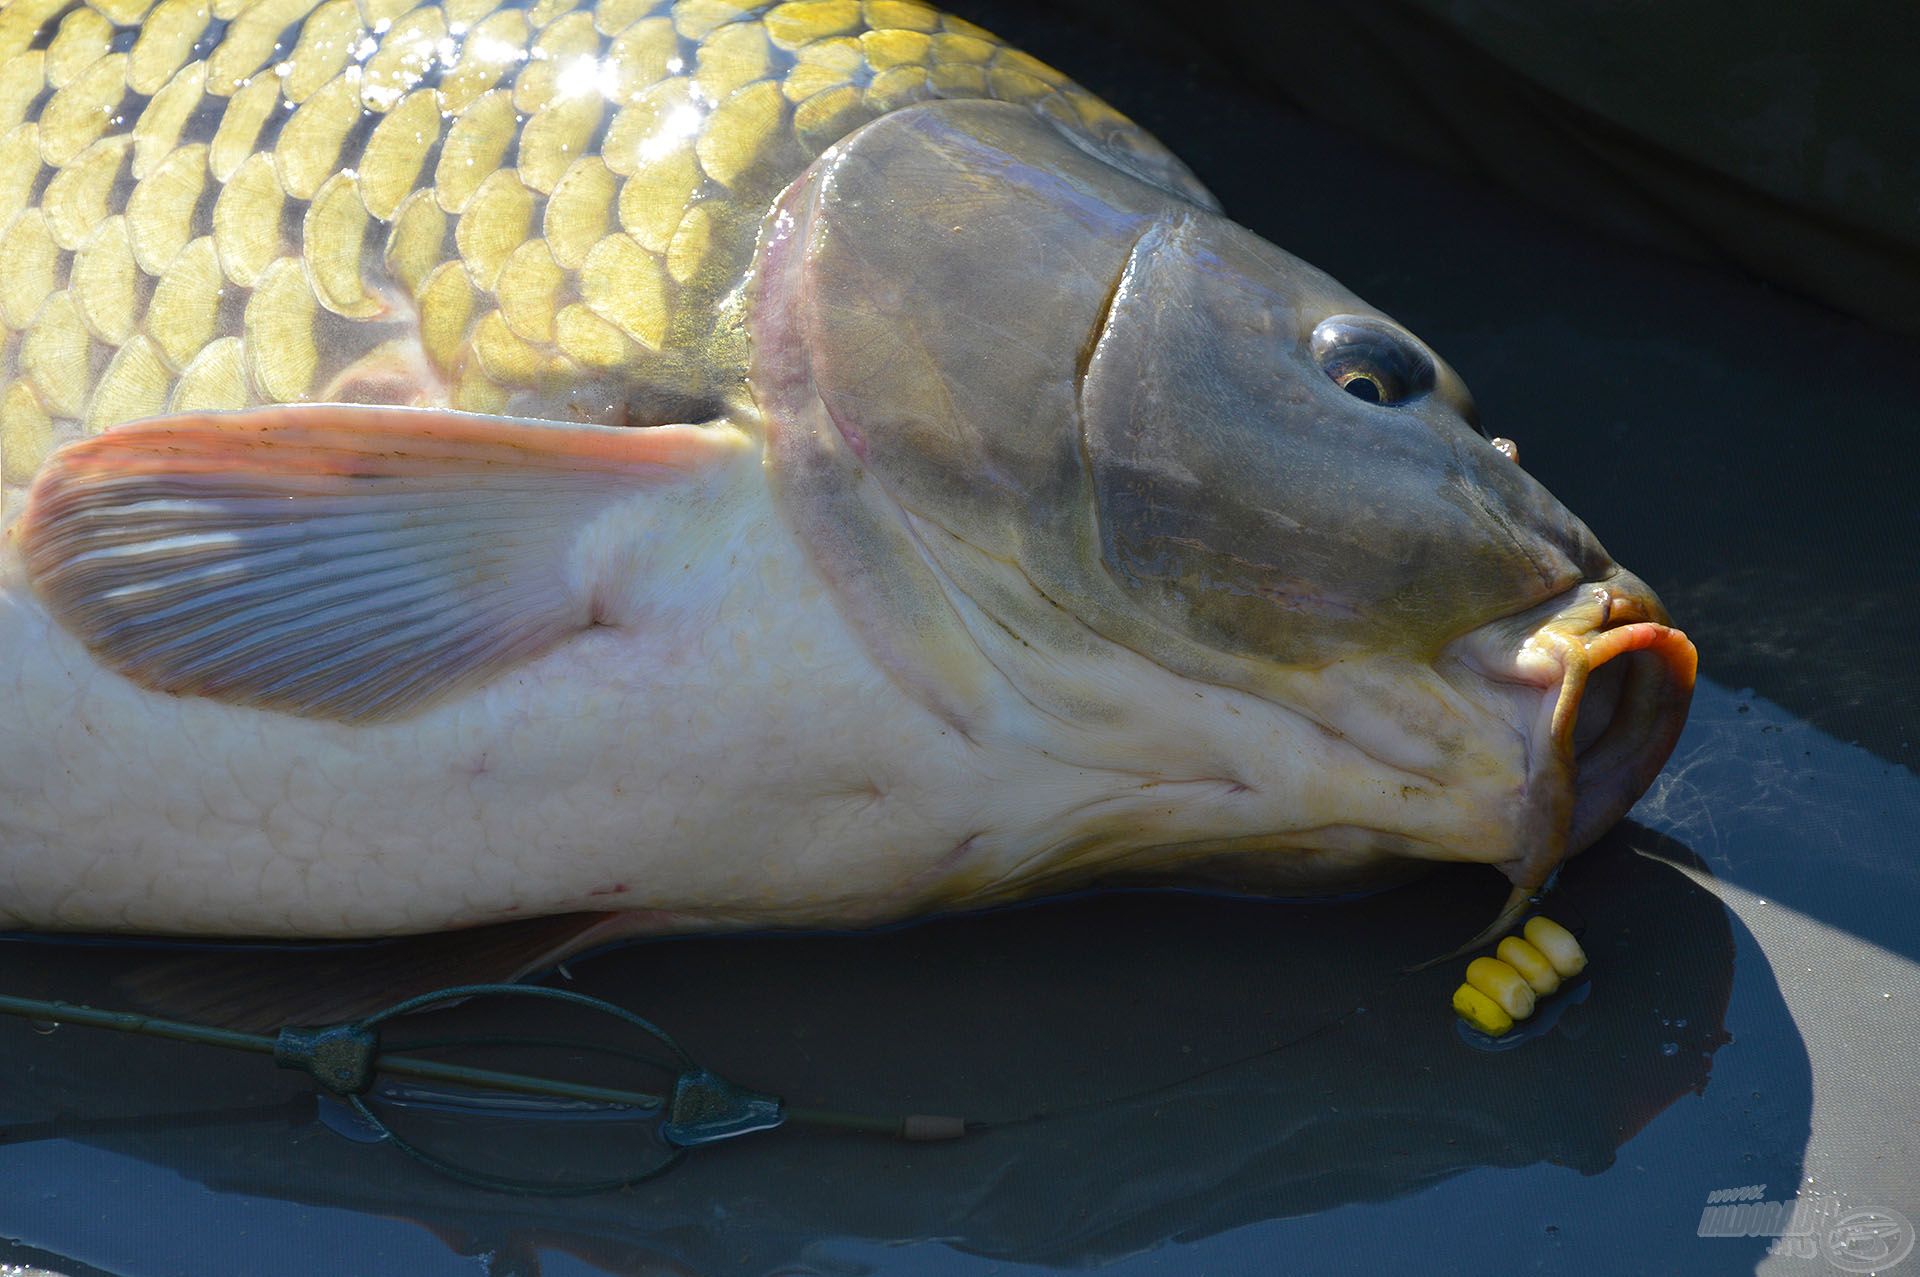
1371, 360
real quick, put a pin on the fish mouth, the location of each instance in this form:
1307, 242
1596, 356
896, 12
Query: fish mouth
1598, 681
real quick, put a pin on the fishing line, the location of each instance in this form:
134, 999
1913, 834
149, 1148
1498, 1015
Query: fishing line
699, 1107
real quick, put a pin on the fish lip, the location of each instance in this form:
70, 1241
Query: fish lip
1583, 775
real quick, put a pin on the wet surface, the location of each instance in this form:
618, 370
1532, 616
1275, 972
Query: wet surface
1179, 1084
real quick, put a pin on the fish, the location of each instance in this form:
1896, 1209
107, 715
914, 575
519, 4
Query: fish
644, 467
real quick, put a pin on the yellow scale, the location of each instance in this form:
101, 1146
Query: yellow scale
209, 204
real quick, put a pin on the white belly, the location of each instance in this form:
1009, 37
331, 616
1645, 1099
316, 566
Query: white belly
729, 753
735, 756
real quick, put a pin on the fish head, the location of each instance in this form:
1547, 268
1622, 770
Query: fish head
1090, 406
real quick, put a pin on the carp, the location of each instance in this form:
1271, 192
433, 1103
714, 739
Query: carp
711, 465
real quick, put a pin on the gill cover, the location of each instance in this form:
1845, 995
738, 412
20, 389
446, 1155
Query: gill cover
970, 327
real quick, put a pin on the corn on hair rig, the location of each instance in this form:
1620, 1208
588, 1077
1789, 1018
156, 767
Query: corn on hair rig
1525, 971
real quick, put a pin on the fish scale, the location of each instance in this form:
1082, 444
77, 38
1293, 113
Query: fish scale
211, 206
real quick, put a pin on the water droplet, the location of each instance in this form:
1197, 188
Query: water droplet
1680, 1023
1669, 1048
43, 1026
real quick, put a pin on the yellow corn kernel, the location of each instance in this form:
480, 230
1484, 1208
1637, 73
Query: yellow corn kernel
160, 210
1503, 984
240, 125
76, 198
157, 131
740, 132
26, 434
55, 355
77, 115
32, 260
390, 166
1480, 1011
580, 211
186, 304
134, 385
281, 355
494, 224
625, 285
804, 21
103, 282
246, 220
333, 236
414, 245
474, 149
1559, 946
308, 150
329, 38
495, 44
216, 380
1530, 963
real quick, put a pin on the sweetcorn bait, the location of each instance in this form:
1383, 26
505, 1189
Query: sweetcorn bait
1503, 989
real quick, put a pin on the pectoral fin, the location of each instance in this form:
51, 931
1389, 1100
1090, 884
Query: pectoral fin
334, 561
